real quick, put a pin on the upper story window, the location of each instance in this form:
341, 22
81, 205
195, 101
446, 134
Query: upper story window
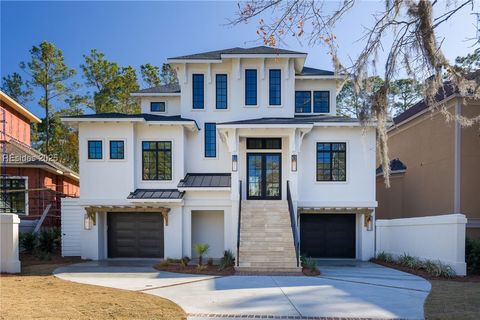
157, 160
15, 202
157, 106
275, 89
210, 140
221, 91
117, 149
321, 101
198, 91
250, 87
95, 149
303, 102
331, 161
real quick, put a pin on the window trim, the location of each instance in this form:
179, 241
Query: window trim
346, 143
193, 92
263, 142
295, 98
102, 149
26, 213
205, 141
164, 106
245, 88
313, 101
226, 92
312, 96
270, 88
143, 163
110, 149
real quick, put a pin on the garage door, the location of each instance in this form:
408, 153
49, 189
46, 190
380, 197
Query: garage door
135, 235
327, 235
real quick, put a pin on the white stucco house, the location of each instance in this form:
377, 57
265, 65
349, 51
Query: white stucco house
246, 154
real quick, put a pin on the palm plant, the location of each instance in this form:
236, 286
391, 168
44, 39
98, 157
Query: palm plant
201, 249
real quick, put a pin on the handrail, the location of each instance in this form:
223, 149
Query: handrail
239, 220
293, 223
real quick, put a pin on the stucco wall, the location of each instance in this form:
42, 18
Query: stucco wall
207, 227
172, 105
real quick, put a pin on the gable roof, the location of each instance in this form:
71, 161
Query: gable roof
217, 54
19, 108
307, 71
396, 166
168, 88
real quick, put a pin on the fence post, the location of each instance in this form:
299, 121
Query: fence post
9, 253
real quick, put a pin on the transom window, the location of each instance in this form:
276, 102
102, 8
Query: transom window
250, 87
15, 201
221, 91
321, 101
303, 102
117, 149
210, 140
264, 143
275, 87
198, 91
157, 106
157, 160
95, 149
331, 161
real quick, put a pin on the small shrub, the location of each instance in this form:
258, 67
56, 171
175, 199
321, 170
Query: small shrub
28, 241
409, 261
44, 255
184, 261
310, 264
227, 260
201, 249
386, 257
47, 241
438, 269
201, 267
164, 263
472, 255
210, 262
170, 260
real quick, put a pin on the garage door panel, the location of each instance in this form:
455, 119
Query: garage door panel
137, 235
328, 235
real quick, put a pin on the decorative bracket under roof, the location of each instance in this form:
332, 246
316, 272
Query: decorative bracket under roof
92, 210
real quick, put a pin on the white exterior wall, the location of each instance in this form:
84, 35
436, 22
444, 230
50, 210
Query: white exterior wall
319, 85
434, 237
72, 225
172, 105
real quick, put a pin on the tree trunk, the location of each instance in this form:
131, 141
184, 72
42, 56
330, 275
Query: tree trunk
47, 124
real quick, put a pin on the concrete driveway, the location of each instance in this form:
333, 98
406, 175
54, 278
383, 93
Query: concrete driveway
346, 289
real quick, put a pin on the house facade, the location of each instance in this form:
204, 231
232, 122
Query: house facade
246, 154
30, 181
438, 174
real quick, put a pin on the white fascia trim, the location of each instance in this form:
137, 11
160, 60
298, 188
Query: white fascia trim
259, 55
66, 120
205, 189
194, 61
156, 94
263, 126
333, 77
339, 124
337, 204
155, 200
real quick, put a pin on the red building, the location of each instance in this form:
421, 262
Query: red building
29, 180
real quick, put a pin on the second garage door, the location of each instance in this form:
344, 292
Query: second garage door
135, 235
327, 235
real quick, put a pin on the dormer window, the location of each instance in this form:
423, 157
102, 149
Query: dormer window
157, 106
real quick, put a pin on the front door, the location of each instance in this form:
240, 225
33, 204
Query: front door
264, 176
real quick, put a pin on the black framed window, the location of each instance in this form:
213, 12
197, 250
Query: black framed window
321, 101
117, 149
157, 160
95, 149
198, 84
331, 161
157, 106
275, 85
221, 91
250, 87
210, 140
264, 143
303, 102
15, 201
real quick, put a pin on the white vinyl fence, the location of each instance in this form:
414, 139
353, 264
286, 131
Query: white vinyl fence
433, 237
72, 226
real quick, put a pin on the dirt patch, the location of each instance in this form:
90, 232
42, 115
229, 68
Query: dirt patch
424, 274
194, 269
310, 273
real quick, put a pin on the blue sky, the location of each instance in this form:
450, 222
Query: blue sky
134, 33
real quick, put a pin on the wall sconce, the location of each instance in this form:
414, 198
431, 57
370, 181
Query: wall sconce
294, 162
87, 222
368, 222
234, 162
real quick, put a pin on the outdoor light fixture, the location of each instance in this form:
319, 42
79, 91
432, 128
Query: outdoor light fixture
234, 162
368, 222
294, 162
87, 222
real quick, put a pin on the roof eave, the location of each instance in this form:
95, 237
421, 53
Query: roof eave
183, 189
263, 126
18, 107
156, 94
320, 77
174, 60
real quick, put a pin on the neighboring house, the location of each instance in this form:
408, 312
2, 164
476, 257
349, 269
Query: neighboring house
436, 166
248, 133
29, 180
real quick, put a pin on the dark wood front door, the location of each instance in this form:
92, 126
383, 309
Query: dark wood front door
264, 176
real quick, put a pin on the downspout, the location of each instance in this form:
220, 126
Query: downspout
457, 159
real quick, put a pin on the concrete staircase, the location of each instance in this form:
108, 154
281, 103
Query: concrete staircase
266, 240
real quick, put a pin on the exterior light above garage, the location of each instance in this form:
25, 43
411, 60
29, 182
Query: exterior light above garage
87, 222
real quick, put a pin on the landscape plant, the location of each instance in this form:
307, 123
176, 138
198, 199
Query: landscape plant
28, 241
472, 255
228, 260
48, 240
201, 249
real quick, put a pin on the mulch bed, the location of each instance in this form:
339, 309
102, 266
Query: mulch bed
55, 258
310, 273
194, 269
424, 274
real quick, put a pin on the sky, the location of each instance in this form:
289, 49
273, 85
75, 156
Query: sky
135, 33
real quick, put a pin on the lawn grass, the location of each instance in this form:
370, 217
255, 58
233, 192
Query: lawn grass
37, 294
451, 299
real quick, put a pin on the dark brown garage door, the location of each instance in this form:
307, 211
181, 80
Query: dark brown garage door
135, 235
327, 235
